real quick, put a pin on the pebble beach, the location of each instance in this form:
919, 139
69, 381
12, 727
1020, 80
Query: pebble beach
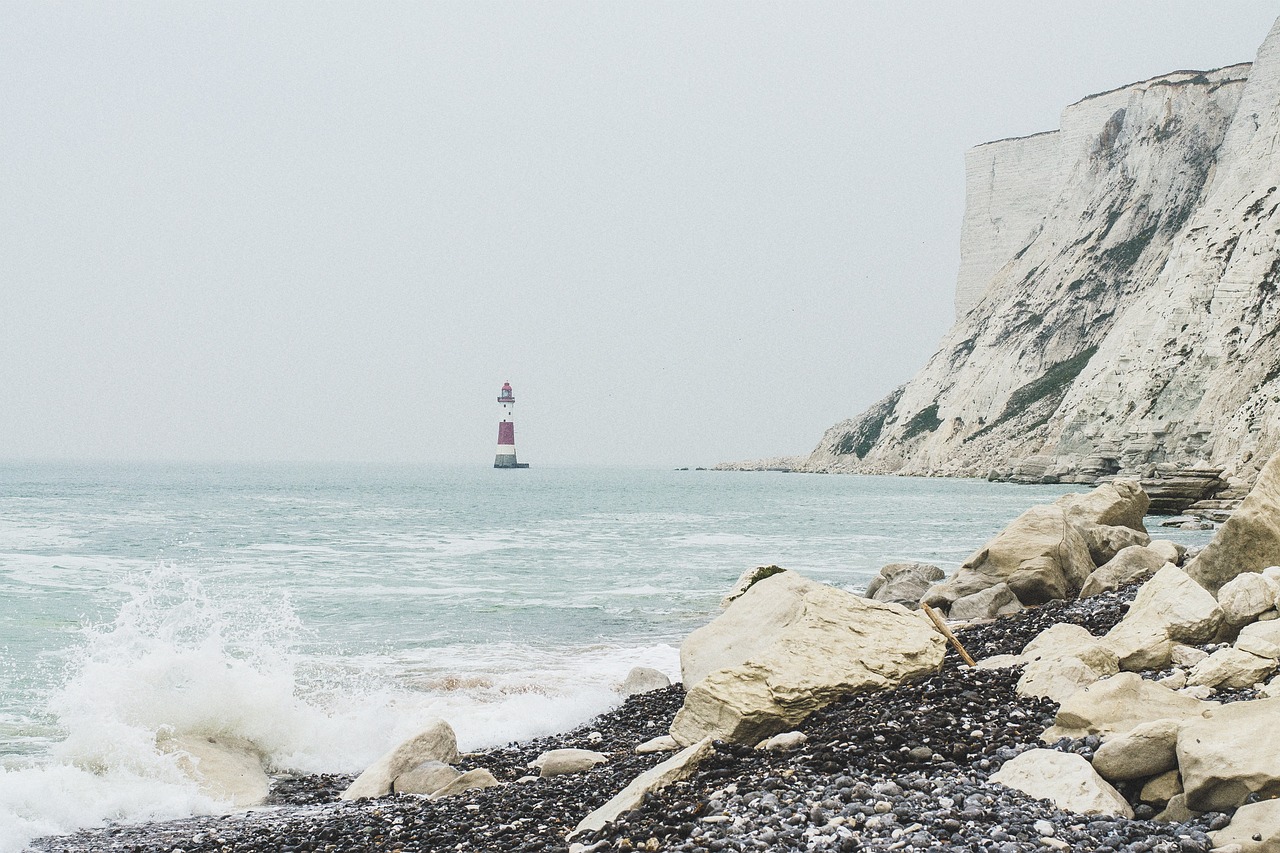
903, 769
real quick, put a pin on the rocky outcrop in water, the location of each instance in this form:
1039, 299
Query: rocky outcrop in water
1117, 301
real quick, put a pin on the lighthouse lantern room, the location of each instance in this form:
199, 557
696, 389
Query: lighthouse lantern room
506, 457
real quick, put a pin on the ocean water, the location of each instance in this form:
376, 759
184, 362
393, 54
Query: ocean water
324, 612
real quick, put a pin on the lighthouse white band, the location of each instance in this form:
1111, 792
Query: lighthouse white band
506, 450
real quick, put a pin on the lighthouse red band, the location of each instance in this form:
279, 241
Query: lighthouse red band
506, 457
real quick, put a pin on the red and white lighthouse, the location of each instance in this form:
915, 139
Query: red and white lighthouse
506, 457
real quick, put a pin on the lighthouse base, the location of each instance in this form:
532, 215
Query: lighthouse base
508, 460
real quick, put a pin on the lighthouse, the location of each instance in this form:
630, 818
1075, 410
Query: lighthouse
506, 457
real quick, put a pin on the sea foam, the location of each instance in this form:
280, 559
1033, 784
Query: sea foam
176, 660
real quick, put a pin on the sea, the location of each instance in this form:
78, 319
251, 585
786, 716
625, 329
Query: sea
324, 612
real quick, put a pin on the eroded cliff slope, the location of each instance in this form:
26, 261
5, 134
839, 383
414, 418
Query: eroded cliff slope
1116, 300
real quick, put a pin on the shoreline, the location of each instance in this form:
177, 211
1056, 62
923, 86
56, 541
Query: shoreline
862, 781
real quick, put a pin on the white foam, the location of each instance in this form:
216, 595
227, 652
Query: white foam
175, 660
16, 535
61, 798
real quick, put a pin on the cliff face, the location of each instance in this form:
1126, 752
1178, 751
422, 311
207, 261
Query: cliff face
1117, 296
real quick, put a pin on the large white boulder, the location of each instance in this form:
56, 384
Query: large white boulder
436, 742
1107, 540
747, 579
1129, 564
1059, 639
985, 604
1065, 779
1120, 704
1040, 555
1261, 639
1249, 540
1120, 503
676, 768
1246, 596
1172, 552
1147, 749
789, 646
1230, 667
227, 769
1170, 608
1230, 754
1062, 659
1255, 828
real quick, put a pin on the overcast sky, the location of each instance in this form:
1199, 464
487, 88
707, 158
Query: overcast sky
685, 232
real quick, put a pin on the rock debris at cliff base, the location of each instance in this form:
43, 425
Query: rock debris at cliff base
905, 769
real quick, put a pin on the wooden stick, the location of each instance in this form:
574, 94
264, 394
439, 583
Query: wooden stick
946, 632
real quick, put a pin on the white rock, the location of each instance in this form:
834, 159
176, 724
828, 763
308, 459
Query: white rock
1145, 750
744, 582
1246, 596
560, 762
1062, 659
1169, 608
1066, 779
1159, 790
1261, 639
1225, 757
1249, 541
1105, 541
984, 604
663, 743
1254, 828
903, 583
1230, 668
1119, 704
1170, 552
789, 646
1128, 565
784, 742
679, 766
642, 679
226, 769
1118, 503
436, 742
1001, 215
1187, 656
427, 778
1176, 811
471, 780
1040, 555
1129, 325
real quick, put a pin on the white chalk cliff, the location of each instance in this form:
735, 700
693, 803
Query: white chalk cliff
1117, 301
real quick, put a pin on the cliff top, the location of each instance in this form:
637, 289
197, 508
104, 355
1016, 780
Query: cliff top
1225, 74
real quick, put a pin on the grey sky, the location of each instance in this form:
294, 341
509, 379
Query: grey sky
685, 232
